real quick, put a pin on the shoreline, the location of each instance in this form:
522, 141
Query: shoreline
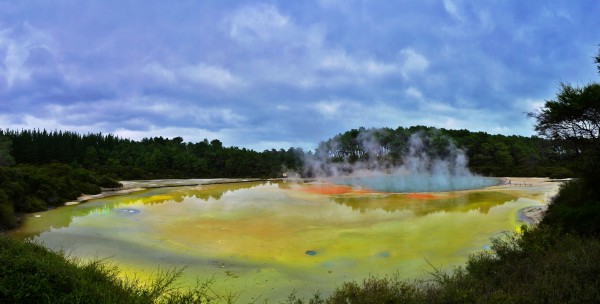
132, 186
531, 215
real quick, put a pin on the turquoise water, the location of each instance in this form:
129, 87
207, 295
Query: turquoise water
396, 183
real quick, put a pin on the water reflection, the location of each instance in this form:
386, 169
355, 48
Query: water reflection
269, 238
449, 202
63, 217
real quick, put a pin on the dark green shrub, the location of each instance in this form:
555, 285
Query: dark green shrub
107, 182
88, 188
7, 216
560, 172
376, 290
30, 273
32, 204
575, 208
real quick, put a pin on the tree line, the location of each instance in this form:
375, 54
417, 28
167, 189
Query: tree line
156, 157
41, 169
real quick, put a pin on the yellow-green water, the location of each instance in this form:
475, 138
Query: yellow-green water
266, 239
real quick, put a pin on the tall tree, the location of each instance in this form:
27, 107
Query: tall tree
573, 118
6, 158
598, 61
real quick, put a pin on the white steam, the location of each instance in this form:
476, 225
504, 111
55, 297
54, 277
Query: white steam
418, 163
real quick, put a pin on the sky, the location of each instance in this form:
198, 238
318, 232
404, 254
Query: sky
281, 74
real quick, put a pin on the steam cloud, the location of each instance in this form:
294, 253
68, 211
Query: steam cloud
419, 164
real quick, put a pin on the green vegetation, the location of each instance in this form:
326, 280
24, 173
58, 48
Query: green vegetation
576, 208
40, 169
149, 158
27, 188
30, 273
572, 121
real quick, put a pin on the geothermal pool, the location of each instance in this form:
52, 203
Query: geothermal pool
266, 239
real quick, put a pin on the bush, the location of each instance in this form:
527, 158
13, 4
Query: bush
575, 208
107, 182
30, 273
33, 188
32, 204
377, 290
560, 172
7, 216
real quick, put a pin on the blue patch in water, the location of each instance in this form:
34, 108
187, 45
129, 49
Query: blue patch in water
127, 211
328, 264
383, 254
310, 252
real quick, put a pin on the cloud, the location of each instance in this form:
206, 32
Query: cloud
296, 54
27, 53
212, 75
278, 72
414, 92
13, 62
529, 104
203, 74
452, 9
160, 73
414, 62
328, 109
137, 113
340, 61
258, 23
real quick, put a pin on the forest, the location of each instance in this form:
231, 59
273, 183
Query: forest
149, 158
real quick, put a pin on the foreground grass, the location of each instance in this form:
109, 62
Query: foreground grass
30, 273
542, 265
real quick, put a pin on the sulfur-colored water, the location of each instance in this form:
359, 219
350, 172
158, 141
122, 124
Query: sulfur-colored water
266, 239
